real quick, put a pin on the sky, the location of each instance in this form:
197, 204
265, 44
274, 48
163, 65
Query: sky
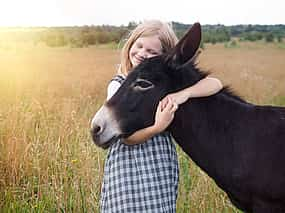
26, 13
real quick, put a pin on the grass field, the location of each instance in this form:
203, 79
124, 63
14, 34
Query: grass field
48, 97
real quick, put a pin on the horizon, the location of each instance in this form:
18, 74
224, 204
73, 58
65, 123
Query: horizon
125, 25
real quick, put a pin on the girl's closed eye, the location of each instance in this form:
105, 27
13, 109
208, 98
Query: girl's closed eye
152, 52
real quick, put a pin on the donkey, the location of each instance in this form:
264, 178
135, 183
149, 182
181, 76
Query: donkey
238, 144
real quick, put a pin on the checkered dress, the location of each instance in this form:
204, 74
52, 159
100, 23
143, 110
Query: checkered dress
141, 178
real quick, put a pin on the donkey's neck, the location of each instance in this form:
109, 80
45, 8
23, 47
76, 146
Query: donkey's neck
204, 128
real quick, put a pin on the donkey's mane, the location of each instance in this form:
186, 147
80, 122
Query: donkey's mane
227, 90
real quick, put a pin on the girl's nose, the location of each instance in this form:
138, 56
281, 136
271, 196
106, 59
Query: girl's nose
143, 54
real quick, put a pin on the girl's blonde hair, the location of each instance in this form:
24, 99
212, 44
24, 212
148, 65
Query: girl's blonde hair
164, 32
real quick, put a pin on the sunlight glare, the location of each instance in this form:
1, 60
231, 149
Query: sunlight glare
28, 13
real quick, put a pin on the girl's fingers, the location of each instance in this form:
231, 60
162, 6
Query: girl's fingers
164, 102
169, 105
174, 107
159, 107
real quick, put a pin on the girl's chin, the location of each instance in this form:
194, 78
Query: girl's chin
135, 63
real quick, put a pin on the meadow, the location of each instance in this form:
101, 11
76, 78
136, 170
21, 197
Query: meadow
48, 97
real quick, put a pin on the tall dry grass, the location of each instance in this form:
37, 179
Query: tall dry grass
47, 98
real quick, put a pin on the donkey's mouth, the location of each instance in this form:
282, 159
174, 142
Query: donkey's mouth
113, 140
109, 142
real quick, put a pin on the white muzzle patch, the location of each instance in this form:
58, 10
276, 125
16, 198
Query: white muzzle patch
104, 127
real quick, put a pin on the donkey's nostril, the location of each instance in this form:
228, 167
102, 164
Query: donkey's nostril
96, 129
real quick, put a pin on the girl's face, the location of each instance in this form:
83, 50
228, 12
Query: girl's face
144, 47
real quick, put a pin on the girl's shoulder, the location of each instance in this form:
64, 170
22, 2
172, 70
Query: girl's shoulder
114, 85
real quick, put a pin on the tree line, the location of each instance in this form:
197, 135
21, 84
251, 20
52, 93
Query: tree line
83, 36
221, 33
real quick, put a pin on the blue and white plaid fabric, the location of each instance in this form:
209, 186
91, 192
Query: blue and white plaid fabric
141, 178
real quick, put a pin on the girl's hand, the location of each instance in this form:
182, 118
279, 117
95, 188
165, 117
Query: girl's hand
164, 115
163, 118
178, 98
203, 88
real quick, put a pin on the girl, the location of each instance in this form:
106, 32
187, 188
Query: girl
141, 171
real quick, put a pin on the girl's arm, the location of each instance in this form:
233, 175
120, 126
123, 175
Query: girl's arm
205, 87
163, 118
166, 108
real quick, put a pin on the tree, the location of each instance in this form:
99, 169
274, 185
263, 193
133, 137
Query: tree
269, 37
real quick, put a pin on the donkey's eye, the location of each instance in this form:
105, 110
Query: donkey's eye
142, 84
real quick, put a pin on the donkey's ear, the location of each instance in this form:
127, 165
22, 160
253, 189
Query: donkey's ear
187, 46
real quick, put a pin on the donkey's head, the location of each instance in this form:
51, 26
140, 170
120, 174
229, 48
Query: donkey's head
134, 105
